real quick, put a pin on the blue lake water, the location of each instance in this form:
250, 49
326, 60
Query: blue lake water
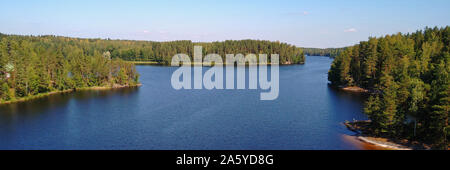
307, 115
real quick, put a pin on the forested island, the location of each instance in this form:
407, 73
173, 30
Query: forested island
34, 66
407, 76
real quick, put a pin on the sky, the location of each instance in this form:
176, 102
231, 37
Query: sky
304, 23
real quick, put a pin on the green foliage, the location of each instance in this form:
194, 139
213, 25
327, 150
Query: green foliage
32, 65
289, 54
408, 75
4, 92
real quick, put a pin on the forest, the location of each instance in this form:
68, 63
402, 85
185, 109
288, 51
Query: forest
407, 75
30, 66
162, 52
289, 54
329, 52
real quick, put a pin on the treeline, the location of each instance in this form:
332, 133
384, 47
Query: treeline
162, 52
329, 52
409, 77
289, 54
31, 66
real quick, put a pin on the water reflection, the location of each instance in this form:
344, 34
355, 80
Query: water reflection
345, 102
20, 112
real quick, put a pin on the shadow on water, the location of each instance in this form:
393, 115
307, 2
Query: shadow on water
28, 110
345, 102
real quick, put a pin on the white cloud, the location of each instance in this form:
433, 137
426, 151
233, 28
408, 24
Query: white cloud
351, 30
146, 31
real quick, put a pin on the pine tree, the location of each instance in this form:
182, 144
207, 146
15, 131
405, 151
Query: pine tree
440, 105
4, 92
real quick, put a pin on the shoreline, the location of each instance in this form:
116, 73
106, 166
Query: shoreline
354, 89
202, 64
386, 145
360, 144
382, 142
24, 99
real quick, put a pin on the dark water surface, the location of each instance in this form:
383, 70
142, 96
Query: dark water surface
307, 115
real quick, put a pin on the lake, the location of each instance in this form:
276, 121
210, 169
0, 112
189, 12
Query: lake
307, 115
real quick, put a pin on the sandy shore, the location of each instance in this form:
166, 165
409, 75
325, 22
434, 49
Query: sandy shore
369, 143
361, 145
383, 143
363, 135
354, 89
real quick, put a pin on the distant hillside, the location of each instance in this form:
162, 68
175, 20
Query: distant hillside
162, 52
329, 52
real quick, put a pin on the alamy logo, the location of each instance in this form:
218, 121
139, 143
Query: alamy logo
181, 78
